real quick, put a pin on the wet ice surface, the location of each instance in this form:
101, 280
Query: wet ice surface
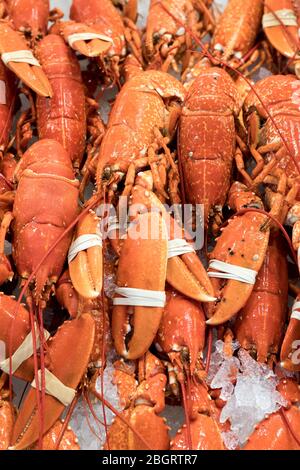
250, 400
84, 422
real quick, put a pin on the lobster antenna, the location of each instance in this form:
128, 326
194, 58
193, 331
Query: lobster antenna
216, 61
289, 426
209, 349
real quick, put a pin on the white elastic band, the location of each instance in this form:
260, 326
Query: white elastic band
83, 243
20, 56
87, 37
231, 271
178, 247
139, 297
287, 17
24, 352
55, 388
113, 224
296, 311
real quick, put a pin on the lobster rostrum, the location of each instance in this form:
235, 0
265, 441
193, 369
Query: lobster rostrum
166, 39
143, 400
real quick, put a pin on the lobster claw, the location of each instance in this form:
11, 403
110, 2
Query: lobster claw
242, 244
76, 336
284, 37
290, 349
85, 269
205, 435
68, 442
85, 39
142, 265
66, 295
187, 275
182, 328
7, 416
31, 73
146, 423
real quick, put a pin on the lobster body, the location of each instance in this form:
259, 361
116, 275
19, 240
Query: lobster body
139, 108
280, 96
104, 18
40, 215
207, 140
29, 16
63, 118
237, 28
260, 325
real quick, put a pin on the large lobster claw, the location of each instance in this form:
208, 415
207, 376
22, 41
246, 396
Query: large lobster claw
76, 336
184, 272
290, 349
14, 318
243, 243
142, 265
205, 434
281, 28
29, 70
85, 39
86, 268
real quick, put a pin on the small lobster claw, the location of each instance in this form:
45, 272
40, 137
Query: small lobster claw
85, 39
66, 295
290, 349
28, 70
86, 267
142, 265
182, 329
76, 336
243, 243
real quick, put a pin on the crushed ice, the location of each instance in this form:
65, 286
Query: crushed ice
249, 390
88, 429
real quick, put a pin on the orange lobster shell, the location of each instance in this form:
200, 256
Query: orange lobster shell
63, 117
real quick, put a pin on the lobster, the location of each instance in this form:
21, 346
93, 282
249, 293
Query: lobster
236, 32
23, 64
181, 336
281, 24
29, 17
289, 354
143, 401
273, 126
166, 39
98, 30
281, 430
63, 117
40, 221
16, 317
260, 324
243, 242
207, 140
135, 133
